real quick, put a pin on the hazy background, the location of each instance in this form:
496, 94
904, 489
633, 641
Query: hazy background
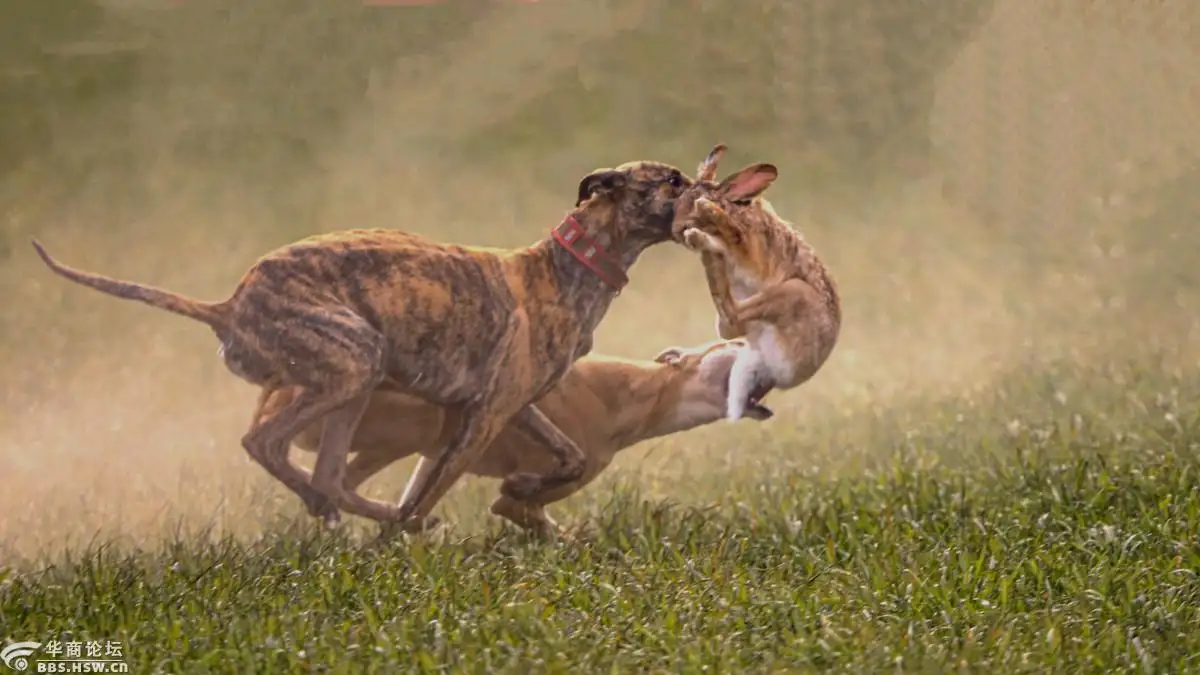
1007, 191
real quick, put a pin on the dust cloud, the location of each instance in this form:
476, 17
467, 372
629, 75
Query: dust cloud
1028, 203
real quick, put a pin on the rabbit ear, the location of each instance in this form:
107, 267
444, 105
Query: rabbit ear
708, 168
749, 182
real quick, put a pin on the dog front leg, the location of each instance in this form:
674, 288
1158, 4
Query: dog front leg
480, 422
420, 475
431, 481
571, 460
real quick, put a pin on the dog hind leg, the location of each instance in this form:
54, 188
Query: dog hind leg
336, 361
274, 458
367, 464
269, 439
329, 474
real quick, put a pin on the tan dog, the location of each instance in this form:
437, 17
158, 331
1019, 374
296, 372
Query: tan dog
604, 405
766, 281
484, 331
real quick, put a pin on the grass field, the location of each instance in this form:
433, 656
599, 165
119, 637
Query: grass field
1066, 543
998, 470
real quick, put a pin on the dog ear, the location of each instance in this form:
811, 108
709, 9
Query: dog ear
749, 182
708, 168
669, 356
600, 181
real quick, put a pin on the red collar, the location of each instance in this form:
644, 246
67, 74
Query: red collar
570, 235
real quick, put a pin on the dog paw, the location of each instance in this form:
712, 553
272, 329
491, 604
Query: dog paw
558, 533
670, 356
331, 519
420, 525
389, 530
521, 486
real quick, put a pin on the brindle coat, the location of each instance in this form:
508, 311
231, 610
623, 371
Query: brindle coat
766, 281
485, 331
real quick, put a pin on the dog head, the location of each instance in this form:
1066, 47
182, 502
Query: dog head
739, 189
632, 206
701, 378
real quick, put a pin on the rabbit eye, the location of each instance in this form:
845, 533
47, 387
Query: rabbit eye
675, 180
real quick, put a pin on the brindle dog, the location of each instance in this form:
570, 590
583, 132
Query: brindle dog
484, 331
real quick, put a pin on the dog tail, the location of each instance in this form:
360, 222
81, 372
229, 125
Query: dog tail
210, 313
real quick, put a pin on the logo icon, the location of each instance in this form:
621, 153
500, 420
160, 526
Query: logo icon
14, 655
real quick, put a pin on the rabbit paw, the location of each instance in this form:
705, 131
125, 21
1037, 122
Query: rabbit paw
697, 240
